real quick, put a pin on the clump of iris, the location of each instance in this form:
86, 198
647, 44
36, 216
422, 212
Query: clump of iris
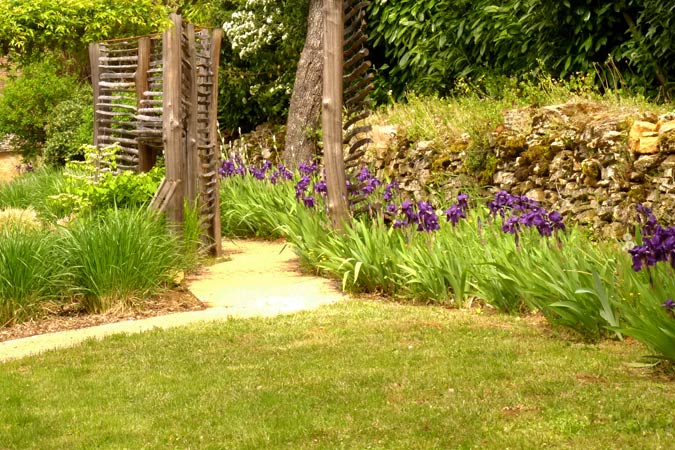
518, 211
235, 166
658, 242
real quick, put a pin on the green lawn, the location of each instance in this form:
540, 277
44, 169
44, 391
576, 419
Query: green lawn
355, 375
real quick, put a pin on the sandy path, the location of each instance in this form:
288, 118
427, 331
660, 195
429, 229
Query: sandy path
260, 279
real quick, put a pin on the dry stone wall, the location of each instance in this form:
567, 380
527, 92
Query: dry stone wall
591, 162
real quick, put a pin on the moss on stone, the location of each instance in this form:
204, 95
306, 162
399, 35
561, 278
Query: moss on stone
637, 194
441, 162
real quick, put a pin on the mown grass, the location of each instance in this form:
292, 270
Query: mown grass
354, 375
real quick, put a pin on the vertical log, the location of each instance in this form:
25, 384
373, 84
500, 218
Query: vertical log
172, 118
193, 169
94, 54
331, 117
146, 156
216, 39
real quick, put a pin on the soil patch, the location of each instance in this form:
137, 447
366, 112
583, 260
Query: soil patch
69, 317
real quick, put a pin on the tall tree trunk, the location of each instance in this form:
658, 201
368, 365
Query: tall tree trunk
305, 108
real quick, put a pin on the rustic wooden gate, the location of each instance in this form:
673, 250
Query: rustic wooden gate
158, 94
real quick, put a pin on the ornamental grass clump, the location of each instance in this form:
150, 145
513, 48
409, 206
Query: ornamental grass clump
119, 257
33, 189
30, 272
19, 218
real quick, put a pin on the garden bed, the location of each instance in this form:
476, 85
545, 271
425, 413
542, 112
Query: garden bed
72, 316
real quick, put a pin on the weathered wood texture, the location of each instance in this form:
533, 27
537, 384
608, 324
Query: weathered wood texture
357, 82
158, 95
331, 117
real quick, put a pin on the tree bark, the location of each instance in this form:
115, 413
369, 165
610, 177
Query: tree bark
305, 108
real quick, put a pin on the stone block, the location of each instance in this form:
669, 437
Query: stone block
645, 163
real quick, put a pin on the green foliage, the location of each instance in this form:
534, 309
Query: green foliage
28, 101
261, 48
68, 26
89, 189
247, 210
426, 46
69, 127
577, 284
30, 271
33, 189
119, 256
641, 304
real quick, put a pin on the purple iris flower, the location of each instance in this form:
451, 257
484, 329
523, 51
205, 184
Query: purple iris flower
463, 202
227, 168
301, 187
321, 187
284, 173
308, 169
454, 213
364, 175
309, 201
427, 218
258, 174
388, 194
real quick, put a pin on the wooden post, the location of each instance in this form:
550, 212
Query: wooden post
216, 39
172, 119
192, 172
146, 156
94, 54
331, 116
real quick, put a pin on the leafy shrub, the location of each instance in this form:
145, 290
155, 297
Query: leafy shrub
88, 189
28, 100
425, 47
28, 29
69, 128
119, 256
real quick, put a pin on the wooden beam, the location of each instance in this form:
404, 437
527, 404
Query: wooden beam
192, 181
331, 116
94, 56
216, 39
146, 155
172, 120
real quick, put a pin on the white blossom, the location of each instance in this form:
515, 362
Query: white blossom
256, 25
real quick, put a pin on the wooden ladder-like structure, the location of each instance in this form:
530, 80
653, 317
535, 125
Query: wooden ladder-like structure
159, 95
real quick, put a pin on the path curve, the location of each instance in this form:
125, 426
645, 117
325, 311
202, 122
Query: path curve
260, 278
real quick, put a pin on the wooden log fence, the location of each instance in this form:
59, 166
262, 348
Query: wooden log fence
157, 95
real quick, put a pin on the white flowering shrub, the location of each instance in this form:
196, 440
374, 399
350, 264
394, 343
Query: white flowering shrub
260, 23
261, 48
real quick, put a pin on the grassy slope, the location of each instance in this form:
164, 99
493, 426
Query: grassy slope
355, 375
